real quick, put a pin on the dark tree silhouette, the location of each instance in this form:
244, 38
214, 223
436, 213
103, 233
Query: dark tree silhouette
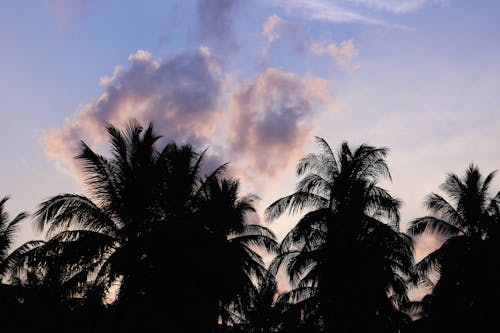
263, 314
8, 229
154, 243
9, 294
232, 265
152, 235
347, 268
465, 296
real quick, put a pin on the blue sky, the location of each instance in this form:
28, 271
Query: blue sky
254, 81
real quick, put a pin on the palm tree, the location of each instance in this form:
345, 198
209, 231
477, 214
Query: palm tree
8, 230
232, 264
471, 214
468, 225
263, 314
342, 260
150, 233
10, 294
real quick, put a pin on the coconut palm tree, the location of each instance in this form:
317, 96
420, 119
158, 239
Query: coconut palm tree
233, 266
8, 229
150, 232
467, 223
263, 314
471, 214
342, 260
97, 245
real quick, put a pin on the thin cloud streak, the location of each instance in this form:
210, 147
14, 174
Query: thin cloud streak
326, 11
396, 6
350, 11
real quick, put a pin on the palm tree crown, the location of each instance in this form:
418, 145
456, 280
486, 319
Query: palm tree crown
341, 240
470, 213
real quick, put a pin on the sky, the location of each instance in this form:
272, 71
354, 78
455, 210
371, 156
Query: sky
254, 82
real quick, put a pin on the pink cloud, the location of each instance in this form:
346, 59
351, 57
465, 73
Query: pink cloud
276, 28
180, 95
341, 54
263, 124
272, 117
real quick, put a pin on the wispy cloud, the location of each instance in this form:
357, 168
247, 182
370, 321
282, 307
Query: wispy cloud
326, 11
275, 28
215, 23
396, 6
342, 54
67, 12
352, 11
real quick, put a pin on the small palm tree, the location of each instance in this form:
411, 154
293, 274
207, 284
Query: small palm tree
8, 229
263, 314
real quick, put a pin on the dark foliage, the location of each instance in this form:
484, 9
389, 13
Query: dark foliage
155, 245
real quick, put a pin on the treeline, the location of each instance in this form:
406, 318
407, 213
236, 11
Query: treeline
157, 246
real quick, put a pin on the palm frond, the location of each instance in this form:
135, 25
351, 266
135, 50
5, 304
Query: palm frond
294, 203
433, 225
67, 210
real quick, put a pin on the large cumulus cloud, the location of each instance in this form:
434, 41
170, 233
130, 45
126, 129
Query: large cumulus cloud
272, 116
180, 95
260, 126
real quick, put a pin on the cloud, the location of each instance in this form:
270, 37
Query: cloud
271, 118
353, 11
180, 95
342, 54
326, 11
271, 31
215, 22
275, 28
66, 12
396, 6
269, 28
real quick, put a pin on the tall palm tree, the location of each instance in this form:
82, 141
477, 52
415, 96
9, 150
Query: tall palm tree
467, 223
342, 260
89, 236
151, 231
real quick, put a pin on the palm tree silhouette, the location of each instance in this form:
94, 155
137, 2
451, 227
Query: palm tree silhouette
8, 229
233, 266
263, 314
344, 264
152, 234
471, 215
468, 225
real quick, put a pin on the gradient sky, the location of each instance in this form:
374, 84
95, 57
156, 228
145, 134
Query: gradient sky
254, 81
